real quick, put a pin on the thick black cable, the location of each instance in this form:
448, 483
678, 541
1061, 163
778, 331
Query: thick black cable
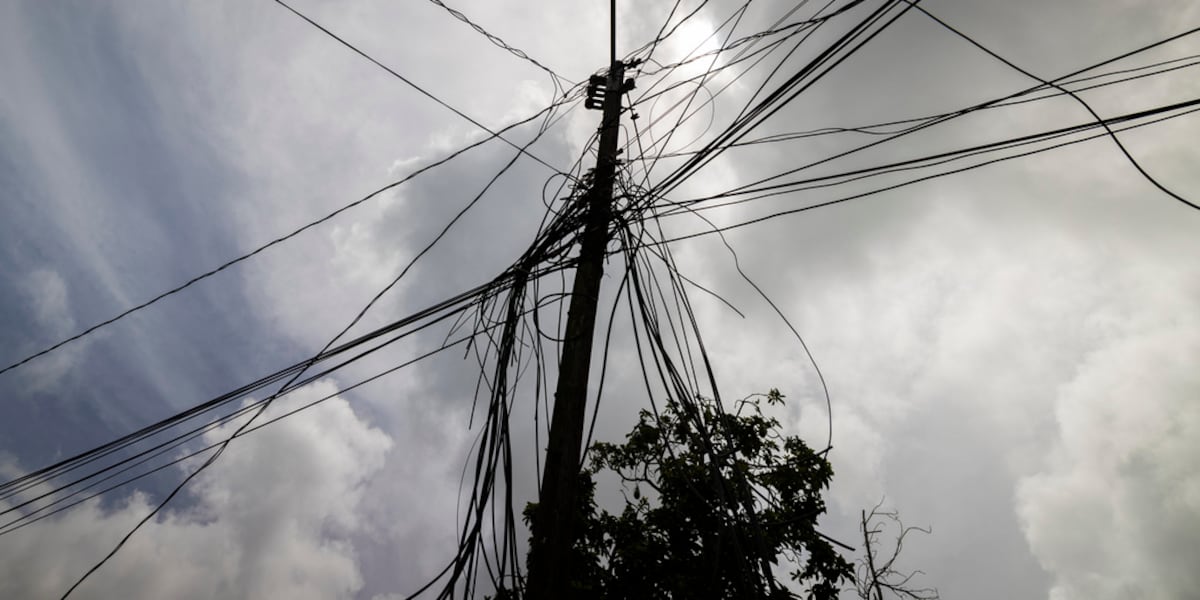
872, 129
737, 263
807, 76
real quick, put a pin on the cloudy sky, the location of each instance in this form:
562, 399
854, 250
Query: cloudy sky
1010, 351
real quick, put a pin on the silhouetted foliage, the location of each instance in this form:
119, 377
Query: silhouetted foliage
713, 501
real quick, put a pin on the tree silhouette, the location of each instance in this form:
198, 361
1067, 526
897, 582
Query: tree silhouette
717, 505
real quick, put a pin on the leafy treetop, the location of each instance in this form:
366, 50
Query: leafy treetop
717, 499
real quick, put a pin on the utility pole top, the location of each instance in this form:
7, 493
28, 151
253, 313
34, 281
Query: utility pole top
612, 32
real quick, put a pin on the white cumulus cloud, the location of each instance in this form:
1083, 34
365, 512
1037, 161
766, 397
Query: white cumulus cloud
1116, 511
271, 519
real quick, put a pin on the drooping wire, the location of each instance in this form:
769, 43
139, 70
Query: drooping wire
824, 63
414, 86
30, 518
22, 483
279, 240
1180, 109
1194, 104
1111, 134
263, 406
878, 128
976, 107
559, 80
500, 307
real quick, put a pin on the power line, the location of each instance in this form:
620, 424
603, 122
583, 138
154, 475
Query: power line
414, 86
977, 107
948, 156
676, 348
289, 383
873, 129
550, 245
27, 519
1194, 106
500, 43
1112, 135
449, 306
808, 75
279, 240
807, 27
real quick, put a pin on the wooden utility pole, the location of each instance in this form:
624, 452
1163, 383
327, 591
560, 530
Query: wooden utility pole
555, 522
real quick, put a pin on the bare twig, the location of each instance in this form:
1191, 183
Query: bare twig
873, 576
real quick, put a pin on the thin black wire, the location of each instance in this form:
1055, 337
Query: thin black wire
743, 119
971, 109
44, 474
278, 240
60, 467
612, 318
735, 18
241, 431
184, 437
765, 53
1111, 134
29, 519
872, 129
500, 43
904, 183
736, 502
807, 352
669, 374
220, 450
492, 451
636, 62
937, 159
754, 38
816, 20
661, 37
413, 85
787, 92
221, 446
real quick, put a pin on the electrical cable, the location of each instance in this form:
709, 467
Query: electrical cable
872, 128
500, 43
945, 157
807, 76
276, 241
828, 203
1112, 135
413, 85
220, 450
980, 106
